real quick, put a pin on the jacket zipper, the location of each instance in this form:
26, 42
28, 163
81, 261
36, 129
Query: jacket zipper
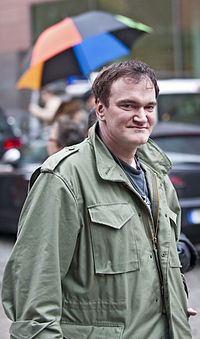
154, 240
155, 251
154, 244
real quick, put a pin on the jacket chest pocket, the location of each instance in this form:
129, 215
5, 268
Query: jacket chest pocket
113, 240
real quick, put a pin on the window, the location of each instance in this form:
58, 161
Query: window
179, 108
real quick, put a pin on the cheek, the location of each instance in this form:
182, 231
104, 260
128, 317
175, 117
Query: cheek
152, 119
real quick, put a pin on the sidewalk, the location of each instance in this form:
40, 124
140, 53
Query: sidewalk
4, 324
193, 279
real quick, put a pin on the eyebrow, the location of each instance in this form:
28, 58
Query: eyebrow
129, 101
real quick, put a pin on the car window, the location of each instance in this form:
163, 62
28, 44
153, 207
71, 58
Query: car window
180, 144
179, 107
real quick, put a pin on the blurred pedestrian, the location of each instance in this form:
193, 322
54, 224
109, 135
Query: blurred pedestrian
88, 100
64, 132
50, 102
71, 109
96, 252
92, 118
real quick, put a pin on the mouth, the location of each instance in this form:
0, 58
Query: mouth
141, 128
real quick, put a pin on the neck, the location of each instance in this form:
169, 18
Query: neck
124, 153
126, 158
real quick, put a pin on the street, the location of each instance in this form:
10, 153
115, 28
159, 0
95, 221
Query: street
6, 245
193, 279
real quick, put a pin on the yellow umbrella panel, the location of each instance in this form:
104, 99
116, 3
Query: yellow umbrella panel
31, 78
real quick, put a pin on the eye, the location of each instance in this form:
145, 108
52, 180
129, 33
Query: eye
150, 108
126, 106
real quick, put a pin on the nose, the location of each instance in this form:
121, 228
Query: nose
140, 116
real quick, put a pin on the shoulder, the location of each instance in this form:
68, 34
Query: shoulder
56, 159
59, 163
152, 155
68, 155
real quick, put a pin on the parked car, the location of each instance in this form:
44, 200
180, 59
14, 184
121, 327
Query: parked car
16, 168
181, 142
179, 101
8, 137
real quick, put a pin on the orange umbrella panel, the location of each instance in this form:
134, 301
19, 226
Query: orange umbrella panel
55, 40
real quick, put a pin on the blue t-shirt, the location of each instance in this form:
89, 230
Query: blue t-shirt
136, 177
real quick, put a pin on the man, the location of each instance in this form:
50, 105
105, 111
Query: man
96, 251
187, 252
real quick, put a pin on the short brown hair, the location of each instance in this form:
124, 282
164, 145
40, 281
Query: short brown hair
68, 108
134, 69
68, 132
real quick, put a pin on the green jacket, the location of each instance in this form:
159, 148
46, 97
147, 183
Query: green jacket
83, 265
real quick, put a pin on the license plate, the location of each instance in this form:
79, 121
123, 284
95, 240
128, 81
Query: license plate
194, 216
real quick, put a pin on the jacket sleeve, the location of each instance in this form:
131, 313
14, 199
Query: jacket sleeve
173, 204
48, 230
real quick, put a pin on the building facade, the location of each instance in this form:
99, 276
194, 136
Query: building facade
173, 49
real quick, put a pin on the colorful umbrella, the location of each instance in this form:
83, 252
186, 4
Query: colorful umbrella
79, 45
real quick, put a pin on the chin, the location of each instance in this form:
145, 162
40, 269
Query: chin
140, 141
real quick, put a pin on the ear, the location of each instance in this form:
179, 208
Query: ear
100, 110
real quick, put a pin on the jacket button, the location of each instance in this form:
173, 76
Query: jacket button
151, 256
163, 255
166, 215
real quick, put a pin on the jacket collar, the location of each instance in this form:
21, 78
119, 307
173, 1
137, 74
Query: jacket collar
150, 155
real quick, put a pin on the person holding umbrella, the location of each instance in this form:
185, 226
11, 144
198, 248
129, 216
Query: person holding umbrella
50, 102
96, 252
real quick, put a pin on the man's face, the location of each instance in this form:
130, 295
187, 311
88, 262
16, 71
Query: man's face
130, 117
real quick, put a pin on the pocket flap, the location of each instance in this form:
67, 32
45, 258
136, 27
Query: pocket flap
114, 246
174, 260
92, 332
172, 215
112, 215
28, 329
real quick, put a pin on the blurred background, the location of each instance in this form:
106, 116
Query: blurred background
172, 49
167, 37
170, 45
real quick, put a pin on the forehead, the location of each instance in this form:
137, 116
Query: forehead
144, 84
